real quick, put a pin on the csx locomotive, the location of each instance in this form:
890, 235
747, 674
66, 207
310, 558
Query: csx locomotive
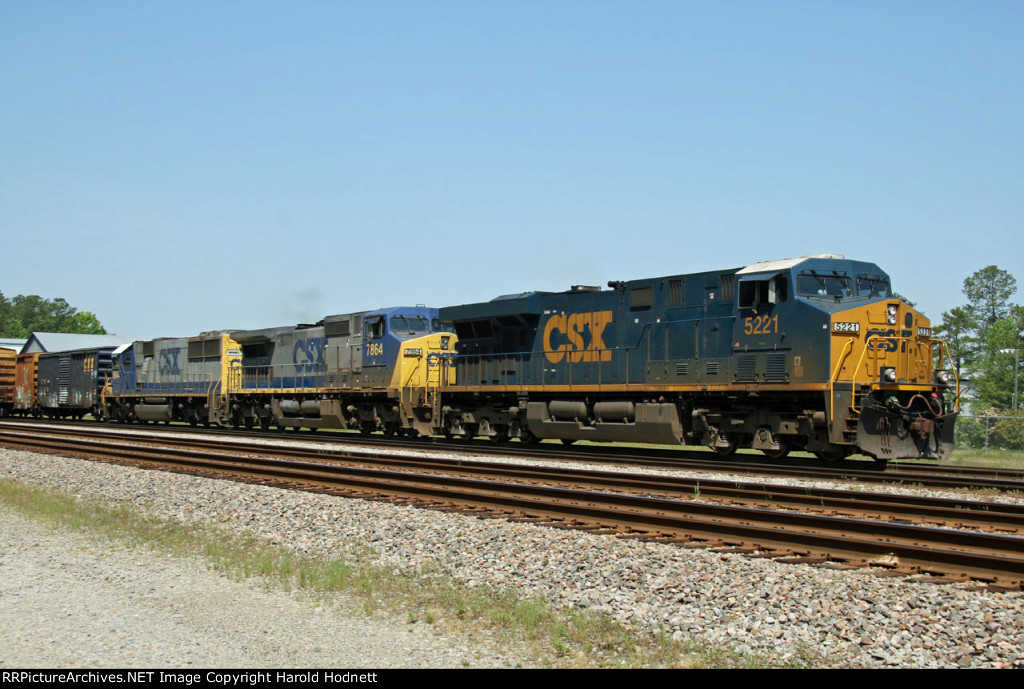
814, 353
375, 370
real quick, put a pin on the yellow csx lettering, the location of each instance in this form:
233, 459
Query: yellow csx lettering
572, 327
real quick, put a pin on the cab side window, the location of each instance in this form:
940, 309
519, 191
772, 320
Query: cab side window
374, 328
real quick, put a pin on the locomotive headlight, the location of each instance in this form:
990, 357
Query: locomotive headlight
942, 377
891, 314
888, 374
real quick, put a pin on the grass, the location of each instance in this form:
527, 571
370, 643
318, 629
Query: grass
992, 457
539, 632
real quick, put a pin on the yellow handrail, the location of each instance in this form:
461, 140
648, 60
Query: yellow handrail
898, 339
835, 377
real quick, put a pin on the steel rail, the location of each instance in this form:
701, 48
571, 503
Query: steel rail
994, 558
920, 475
862, 472
1003, 517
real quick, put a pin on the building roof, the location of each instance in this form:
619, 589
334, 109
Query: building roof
66, 342
12, 343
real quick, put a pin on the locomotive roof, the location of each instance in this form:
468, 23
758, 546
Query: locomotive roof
524, 303
784, 264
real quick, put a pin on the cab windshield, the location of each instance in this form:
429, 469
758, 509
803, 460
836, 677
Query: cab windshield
814, 285
409, 324
873, 287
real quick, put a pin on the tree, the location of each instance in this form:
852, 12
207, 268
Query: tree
979, 334
23, 315
989, 291
957, 330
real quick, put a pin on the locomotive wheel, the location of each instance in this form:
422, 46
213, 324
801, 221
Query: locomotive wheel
833, 454
265, 424
528, 438
783, 451
500, 437
249, 423
727, 450
568, 441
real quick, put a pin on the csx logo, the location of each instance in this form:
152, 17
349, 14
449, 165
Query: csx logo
169, 361
308, 355
564, 337
875, 341
435, 358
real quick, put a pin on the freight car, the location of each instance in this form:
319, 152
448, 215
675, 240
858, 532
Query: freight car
814, 353
373, 370
25, 384
69, 384
8, 364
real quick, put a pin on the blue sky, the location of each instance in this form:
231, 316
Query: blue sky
184, 166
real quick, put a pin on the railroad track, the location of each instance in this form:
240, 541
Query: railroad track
917, 474
630, 505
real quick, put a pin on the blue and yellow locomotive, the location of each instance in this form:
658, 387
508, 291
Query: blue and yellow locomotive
173, 379
814, 353
374, 370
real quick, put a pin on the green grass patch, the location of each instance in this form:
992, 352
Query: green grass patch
537, 630
991, 457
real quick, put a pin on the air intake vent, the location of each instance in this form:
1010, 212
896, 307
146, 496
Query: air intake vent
776, 367
746, 367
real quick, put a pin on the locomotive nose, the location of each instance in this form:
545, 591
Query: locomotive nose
884, 370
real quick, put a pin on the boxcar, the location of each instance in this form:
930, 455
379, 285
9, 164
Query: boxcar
69, 384
8, 364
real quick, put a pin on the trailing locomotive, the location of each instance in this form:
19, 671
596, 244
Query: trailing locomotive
173, 379
372, 370
812, 353
375, 370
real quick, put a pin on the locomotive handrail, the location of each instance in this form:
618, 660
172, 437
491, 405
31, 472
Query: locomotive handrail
900, 339
835, 377
956, 378
853, 376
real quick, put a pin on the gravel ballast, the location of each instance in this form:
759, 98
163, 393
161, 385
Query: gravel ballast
748, 605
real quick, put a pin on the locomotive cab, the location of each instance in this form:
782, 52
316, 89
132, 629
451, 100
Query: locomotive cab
883, 395
410, 352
